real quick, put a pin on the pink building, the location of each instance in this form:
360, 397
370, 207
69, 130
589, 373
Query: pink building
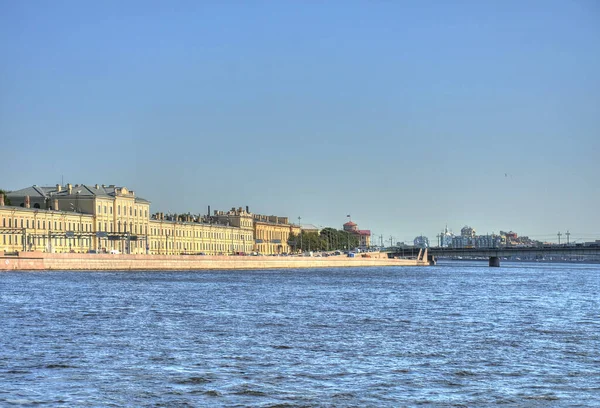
364, 236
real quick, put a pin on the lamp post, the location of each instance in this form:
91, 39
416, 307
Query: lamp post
300, 232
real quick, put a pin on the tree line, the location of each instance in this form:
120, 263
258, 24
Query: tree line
329, 239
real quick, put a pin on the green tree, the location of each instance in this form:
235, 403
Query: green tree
338, 239
329, 239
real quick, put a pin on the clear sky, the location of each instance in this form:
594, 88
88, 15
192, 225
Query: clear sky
406, 115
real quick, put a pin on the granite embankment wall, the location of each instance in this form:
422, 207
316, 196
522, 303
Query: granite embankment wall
28, 261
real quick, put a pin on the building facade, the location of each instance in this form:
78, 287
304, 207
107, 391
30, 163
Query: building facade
364, 236
421, 241
110, 216
175, 235
33, 229
445, 238
85, 218
477, 241
272, 234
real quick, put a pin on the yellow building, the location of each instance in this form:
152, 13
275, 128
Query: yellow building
33, 229
84, 218
170, 235
271, 234
117, 219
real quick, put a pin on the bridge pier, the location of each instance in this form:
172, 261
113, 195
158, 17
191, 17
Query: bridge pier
431, 259
494, 261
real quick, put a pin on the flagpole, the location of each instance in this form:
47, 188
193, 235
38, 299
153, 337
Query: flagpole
348, 234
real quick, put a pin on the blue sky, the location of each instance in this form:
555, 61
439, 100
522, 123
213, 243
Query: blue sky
406, 115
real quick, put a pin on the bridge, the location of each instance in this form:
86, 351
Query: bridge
495, 254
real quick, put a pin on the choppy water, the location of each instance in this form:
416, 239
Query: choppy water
460, 334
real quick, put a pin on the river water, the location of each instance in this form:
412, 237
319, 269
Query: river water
455, 334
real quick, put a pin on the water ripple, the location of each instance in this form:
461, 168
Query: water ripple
453, 335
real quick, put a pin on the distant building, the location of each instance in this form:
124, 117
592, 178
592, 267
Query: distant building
421, 241
477, 241
310, 228
512, 239
467, 231
364, 236
446, 238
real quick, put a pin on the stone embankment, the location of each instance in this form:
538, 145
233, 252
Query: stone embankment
29, 261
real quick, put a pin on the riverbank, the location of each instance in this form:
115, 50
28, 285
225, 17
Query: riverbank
29, 261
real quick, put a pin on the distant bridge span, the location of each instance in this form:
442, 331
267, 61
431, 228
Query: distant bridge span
494, 254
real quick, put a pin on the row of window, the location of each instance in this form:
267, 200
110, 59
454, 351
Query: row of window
133, 228
41, 224
201, 234
42, 241
133, 212
261, 234
156, 245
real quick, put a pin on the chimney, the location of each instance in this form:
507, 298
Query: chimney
247, 210
27, 202
96, 186
209, 210
70, 188
1, 200
55, 207
58, 188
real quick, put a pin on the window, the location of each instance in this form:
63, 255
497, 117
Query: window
99, 208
